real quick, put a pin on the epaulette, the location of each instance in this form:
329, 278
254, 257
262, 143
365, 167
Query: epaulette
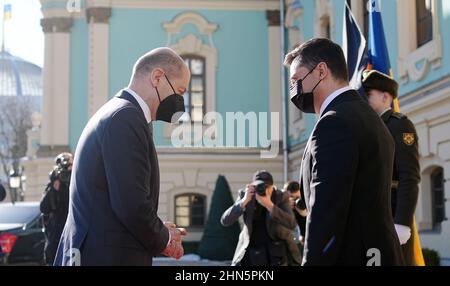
398, 115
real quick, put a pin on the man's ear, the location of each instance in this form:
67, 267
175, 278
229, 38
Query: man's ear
156, 76
323, 70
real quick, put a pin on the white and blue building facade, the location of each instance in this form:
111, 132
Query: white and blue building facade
234, 52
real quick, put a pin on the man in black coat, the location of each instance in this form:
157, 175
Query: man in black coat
268, 224
381, 90
347, 164
55, 204
114, 189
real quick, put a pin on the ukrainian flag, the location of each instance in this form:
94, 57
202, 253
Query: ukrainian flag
379, 60
7, 12
378, 52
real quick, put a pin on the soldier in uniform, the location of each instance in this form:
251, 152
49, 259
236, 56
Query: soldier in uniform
381, 90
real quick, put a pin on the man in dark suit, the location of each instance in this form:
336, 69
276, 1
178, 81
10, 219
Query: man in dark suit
347, 164
114, 188
381, 90
264, 238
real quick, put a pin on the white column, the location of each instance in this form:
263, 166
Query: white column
358, 9
98, 18
55, 122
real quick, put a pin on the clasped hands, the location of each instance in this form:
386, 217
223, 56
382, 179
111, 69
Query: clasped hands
174, 248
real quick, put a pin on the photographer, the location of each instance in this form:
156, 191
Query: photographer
55, 203
298, 206
267, 215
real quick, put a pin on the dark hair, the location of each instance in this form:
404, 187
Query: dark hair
292, 186
318, 50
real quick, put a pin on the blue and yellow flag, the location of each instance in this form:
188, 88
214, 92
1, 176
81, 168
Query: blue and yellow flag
379, 60
378, 51
7, 12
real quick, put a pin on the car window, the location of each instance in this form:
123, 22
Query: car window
18, 214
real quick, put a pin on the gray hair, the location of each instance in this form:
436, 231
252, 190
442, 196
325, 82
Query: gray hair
163, 58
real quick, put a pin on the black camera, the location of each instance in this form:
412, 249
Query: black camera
61, 169
260, 188
300, 204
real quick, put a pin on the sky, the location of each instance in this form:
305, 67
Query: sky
23, 33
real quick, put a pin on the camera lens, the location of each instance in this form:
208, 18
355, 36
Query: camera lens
300, 204
261, 189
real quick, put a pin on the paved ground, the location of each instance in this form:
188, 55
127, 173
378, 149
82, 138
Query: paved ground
188, 260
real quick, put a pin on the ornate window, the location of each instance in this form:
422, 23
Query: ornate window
195, 97
437, 197
424, 22
419, 41
200, 47
190, 210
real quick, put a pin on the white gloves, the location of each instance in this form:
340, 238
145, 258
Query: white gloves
403, 233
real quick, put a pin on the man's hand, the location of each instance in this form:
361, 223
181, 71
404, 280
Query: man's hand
265, 201
292, 202
175, 233
249, 194
174, 248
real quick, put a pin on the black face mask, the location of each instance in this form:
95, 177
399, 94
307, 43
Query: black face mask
303, 100
171, 108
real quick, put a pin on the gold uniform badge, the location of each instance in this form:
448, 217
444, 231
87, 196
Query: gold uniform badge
408, 138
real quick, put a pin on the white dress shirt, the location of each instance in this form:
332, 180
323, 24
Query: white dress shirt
142, 104
403, 233
332, 96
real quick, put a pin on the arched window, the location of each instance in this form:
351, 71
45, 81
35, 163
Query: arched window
190, 210
194, 100
424, 20
437, 197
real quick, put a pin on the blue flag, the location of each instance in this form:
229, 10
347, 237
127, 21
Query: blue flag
378, 52
7, 12
355, 50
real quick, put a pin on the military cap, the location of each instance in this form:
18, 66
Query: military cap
373, 79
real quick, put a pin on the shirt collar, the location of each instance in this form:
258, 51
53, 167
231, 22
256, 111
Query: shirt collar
382, 113
142, 104
332, 96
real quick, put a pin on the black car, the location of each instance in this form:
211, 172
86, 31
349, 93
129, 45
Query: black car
21, 234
